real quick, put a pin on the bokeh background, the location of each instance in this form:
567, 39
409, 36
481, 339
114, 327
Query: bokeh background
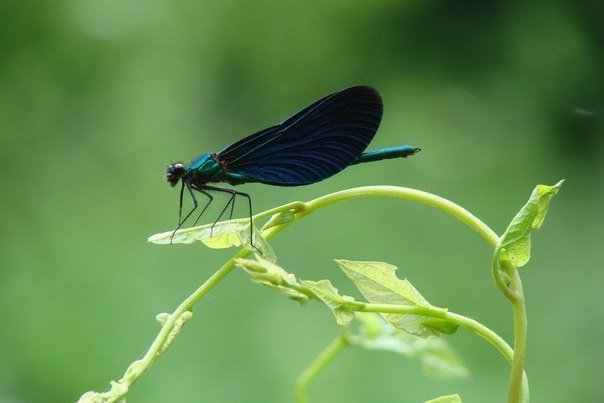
97, 96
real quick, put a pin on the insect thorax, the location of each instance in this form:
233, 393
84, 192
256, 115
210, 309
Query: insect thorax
205, 169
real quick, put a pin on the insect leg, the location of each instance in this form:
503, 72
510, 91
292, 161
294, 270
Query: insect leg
232, 199
249, 204
195, 204
182, 189
232, 209
210, 199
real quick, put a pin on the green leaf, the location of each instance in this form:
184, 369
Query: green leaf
225, 234
327, 293
446, 399
437, 357
273, 276
378, 284
516, 240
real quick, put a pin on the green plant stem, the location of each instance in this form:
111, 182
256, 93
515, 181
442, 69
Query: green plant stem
303, 209
435, 312
273, 227
120, 388
517, 391
518, 388
159, 344
497, 277
512, 289
408, 194
324, 358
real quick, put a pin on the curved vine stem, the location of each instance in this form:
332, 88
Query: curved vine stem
302, 209
281, 218
511, 286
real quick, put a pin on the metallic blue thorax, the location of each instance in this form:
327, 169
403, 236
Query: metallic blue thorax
205, 169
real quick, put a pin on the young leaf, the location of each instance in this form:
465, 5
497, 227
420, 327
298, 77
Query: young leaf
445, 399
327, 293
162, 318
437, 358
260, 243
224, 234
516, 239
273, 276
378, 284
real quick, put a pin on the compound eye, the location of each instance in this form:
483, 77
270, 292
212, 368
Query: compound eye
175, 172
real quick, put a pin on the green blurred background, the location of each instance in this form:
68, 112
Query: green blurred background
97, 96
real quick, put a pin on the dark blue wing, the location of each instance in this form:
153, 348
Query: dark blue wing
314, 144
